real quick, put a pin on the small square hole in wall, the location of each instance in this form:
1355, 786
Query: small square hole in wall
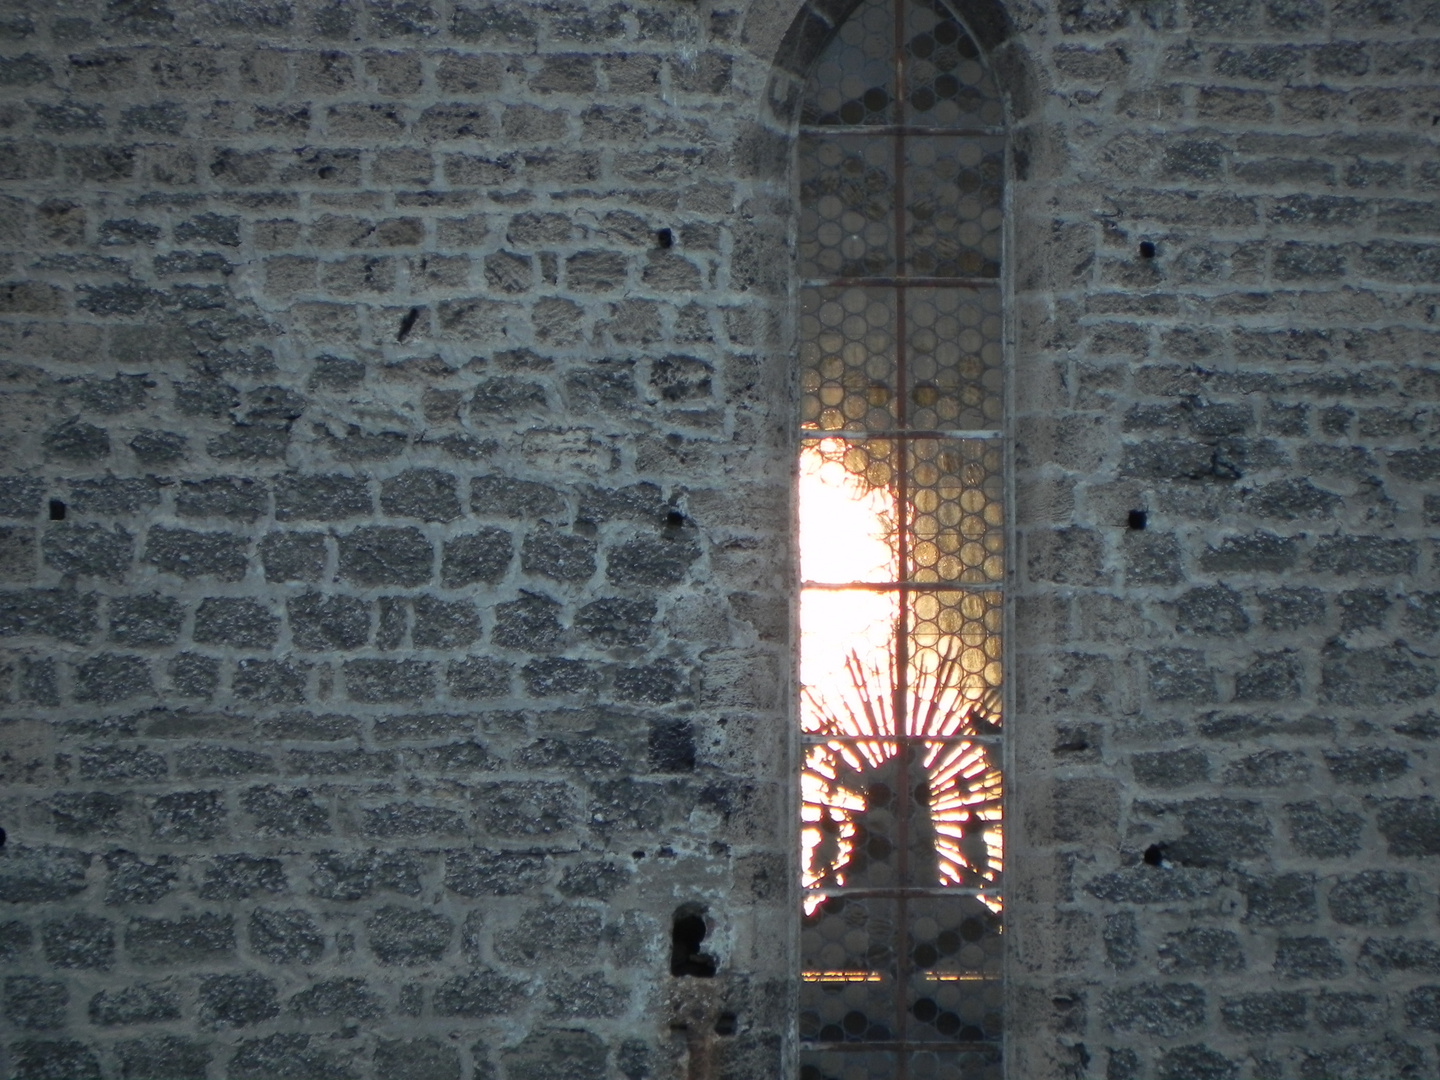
57, 510
687, 931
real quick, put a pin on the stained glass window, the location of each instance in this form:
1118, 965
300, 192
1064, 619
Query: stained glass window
902, 551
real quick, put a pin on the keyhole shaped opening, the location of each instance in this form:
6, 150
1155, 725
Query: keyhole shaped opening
686, 933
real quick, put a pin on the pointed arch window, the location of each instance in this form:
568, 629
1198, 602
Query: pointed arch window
902, 466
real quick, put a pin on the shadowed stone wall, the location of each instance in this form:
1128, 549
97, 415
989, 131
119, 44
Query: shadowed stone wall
395, 545
414, 641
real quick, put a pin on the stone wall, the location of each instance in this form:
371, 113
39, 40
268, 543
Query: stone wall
396, 537
414, 640
1224, 842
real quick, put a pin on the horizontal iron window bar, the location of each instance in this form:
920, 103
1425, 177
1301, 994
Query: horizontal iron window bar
934, 1046
857, 975
810, 738
900, 129
896, 586
897, 433
911, 892
901, 283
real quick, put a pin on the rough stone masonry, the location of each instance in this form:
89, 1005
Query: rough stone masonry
395, 481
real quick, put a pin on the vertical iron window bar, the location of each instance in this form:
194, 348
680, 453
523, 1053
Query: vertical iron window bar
902, 551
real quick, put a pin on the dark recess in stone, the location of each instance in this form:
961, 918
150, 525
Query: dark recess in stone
1137, 519
1147, 249
686, 934
665, 238
408, 323
726, 1024
1155, 855
57, 510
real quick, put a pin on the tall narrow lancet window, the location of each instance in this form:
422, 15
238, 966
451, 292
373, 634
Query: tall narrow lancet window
902, 550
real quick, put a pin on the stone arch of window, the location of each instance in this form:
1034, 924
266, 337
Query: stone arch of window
902, 160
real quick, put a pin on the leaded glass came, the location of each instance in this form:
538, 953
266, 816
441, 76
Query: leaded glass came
903, 552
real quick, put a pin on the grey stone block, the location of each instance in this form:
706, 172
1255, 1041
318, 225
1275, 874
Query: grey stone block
54, 1059
236, 1000
479, 994
241, 877
550, 1054
416, 1059
236, 622
270, 682
288, 1057
479, 557
1381, 958
139, 1003
1195, 1062
651, 561
1163, 1009
1410, 826
614, 621
58, 613
1204, 949
35, 1004
288, 936
441, 624
193, 675
505, 497
1367, 766
326, 497
79, 941
285, 811
88, 550
1280, 899
1265, 1013
188, 939
1352, 1061
389, 680
190, 554
39, 874
319, 623
342, 999
233, 497
530, 623
385, 555
293, 556
162, 1057
144, 620
188, 816
132, 879
1350, 1010
16, 940
407, 936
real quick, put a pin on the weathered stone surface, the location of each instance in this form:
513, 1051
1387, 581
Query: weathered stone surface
396, 570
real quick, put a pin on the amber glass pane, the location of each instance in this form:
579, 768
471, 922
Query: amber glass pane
902, 547
956, 490
952, 190
953, 359
854, 81
847, 359
847, 207
946, 85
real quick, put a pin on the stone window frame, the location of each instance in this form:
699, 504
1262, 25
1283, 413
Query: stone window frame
810, 31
